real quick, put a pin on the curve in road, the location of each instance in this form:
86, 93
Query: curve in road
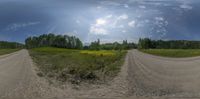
159, 76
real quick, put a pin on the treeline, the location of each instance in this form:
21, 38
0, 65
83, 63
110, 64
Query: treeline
72, 42
96, 45
5, 44
52, 40
147, 43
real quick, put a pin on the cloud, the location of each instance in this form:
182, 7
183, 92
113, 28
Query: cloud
123, 16
124, 31
98, 30
159, 18
132, 24
142, 6
110, 3
103, 25
126, 6
186, 6
16, 26
78, 21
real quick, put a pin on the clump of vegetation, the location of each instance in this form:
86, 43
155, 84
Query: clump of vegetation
77, 65
10, 45
173, 52
52, 40
125, 45
99, 53
147, 43
7, 51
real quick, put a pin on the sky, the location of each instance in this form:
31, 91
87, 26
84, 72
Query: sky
108, 20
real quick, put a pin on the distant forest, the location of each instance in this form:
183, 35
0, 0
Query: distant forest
52, 40
5, 44
147, 43
72, 42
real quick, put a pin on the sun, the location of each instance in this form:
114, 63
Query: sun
101, 22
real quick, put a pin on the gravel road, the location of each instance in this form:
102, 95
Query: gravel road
143, 76
154, 76
18, 79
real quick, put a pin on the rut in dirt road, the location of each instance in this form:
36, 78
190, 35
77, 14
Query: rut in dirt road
158, 76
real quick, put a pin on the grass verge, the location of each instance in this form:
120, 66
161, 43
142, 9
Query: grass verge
7, 51
77, 65
176, 53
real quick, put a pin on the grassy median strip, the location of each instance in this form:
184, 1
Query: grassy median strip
77, 65
176, 53
7, 51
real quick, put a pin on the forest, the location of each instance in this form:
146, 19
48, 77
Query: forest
52, 40
146, 43
7, 45
72, 42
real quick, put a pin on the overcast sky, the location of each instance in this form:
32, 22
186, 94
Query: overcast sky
109, 20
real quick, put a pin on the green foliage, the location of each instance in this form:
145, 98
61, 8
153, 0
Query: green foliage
51, 40
95, 45
112, 46
7, 51
173, 52
5, 44
77, 65
147, 43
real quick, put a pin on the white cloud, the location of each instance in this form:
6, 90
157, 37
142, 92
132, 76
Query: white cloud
186, 6
98, 30
159, 18
99, 7
123, 16
110, 3
124, 31
100, 21
16, 26
104, 25
109, 16
132, 23
126, 6
78, 21
142, 6
121, 26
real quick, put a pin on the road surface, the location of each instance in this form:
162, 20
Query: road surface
18, 78
15, 72
167, 77
143, 76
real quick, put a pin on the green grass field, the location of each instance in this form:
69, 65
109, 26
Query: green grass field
7, 51
77, 65
176, 53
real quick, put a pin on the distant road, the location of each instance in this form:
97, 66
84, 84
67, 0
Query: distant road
159, 76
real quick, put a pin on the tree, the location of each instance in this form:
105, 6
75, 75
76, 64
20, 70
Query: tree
52, 40
147, 43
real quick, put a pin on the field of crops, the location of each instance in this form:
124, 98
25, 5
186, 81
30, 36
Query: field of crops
173, 52
77, 65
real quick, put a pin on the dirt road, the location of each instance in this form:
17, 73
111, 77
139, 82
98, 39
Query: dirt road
14, 72
167, 77
18, 79
143, 76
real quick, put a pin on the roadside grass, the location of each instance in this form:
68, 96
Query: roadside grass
76, 66
176, 53
7, 51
